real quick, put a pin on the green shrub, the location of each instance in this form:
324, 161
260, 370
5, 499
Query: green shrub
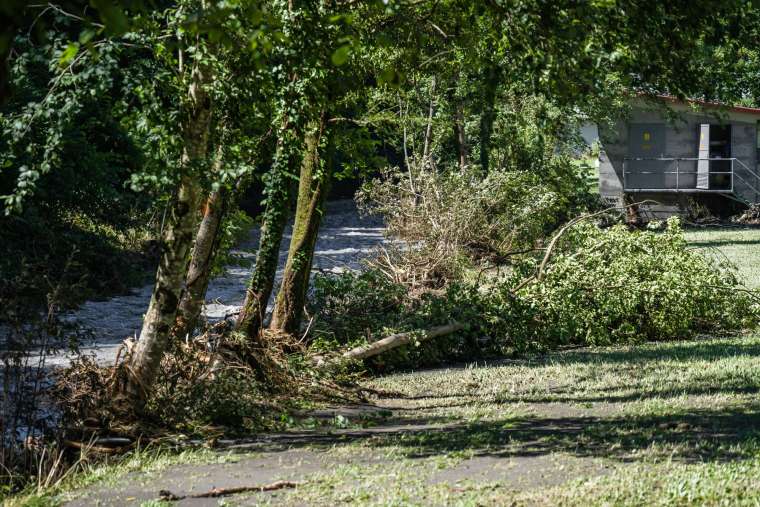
351, 309
601, 286
612, 285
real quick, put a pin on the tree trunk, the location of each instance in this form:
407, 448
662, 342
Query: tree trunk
632, 216
426, 147
460, 135
199, 271
279, 190
7, 35
176, 242
488, 115
314, 182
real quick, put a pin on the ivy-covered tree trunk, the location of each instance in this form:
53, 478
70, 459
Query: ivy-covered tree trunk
199, 271
428, 140
460, 135
488, 115
279, 190
176, 243
6, 36
314, 182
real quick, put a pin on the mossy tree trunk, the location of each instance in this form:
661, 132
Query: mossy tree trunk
314, 182
279, 191
488, 115
458, 123
176, 243
199, 271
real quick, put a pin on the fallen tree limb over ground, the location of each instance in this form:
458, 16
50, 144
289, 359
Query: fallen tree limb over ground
399, 339
217, 492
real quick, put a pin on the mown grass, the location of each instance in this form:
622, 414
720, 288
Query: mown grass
674, 423
739, 245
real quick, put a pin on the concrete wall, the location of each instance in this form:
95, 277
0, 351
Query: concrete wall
681, 140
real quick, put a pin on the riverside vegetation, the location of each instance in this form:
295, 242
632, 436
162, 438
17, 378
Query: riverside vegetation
138, 138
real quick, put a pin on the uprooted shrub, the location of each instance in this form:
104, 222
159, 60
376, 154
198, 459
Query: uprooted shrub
352, 309
600, 286
453, 221
614, 285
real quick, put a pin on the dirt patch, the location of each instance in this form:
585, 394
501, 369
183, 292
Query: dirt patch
573, 410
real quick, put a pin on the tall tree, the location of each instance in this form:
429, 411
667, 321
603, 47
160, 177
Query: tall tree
298, 98
279, 190
206, 243
176, 243
314, 183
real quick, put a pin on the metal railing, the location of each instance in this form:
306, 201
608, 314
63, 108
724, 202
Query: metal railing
756, 187
677, 175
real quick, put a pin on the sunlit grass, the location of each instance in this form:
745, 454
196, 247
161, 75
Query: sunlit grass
675, 423
739, 245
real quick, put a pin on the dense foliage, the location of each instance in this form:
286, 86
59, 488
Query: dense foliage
130, 128
614, 285
602, 287
356, 308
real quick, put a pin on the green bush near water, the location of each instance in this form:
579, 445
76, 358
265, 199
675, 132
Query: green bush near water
601, 287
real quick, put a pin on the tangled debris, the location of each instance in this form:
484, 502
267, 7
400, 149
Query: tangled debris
217, 383
751, 216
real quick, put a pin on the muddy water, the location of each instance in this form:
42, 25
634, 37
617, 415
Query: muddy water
345, 238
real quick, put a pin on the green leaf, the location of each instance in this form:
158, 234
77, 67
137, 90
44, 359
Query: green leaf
112, 16
86, 35
69, 54
389, 76
341, 54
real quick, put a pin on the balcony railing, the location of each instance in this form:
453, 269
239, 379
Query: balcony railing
681, 175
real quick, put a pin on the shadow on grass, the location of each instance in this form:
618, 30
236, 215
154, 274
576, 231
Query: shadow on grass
687, 435
696, 436
723, 242
697, 350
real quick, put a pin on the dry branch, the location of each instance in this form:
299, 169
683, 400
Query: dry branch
217, 492
94, 447
399, 339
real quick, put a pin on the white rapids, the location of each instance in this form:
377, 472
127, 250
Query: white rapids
345, 238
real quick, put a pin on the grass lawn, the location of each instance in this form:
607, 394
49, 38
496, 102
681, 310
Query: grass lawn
739, 245
673, 423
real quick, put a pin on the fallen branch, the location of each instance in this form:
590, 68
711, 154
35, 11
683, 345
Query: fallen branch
97, 448
217, 492
399, 339
571, 223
